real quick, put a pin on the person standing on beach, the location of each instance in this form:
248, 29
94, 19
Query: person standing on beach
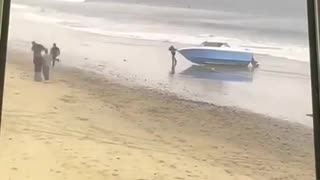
173, 50
254, 63
37, 60
55, 52
47, 59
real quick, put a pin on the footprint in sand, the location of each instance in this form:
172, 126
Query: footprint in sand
64, 165
41, 138
25, 157
24, 76
161, 161
182, 140
187, 171
82, 119
14, 169
103, 172
180, 178
227, 171
68, 99
173, 166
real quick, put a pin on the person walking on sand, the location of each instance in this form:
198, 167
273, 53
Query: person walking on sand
173, 50
47, 59
55, 52
37, 60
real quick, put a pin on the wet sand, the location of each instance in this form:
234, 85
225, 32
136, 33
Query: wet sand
80, 125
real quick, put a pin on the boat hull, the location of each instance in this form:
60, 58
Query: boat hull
217, 56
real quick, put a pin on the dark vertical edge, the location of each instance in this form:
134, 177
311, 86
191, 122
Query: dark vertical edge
3, 49
313, 46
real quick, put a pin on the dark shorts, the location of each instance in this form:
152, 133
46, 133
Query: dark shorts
37, 61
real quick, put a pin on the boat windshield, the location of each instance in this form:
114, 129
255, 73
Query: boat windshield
215, 44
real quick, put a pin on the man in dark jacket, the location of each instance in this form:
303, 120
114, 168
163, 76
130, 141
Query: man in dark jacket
37, 60
55, 52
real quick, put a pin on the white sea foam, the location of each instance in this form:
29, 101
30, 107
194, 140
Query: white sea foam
289, 51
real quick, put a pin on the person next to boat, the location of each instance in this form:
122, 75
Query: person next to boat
47, 59
254, 63
173, 50
37, 60
55, 52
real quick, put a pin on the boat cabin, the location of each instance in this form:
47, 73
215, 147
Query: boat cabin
215, 44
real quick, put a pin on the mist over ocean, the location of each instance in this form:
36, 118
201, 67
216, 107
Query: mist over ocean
277, 28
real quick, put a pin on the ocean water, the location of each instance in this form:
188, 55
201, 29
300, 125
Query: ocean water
277, 28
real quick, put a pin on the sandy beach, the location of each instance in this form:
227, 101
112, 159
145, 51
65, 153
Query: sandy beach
80, 125
113, 111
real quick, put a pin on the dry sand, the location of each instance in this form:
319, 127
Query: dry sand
80, 126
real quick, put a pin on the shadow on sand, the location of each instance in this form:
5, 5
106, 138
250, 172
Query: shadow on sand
220, 73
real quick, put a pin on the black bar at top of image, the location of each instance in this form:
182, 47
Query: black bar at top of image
314, 65
3, 48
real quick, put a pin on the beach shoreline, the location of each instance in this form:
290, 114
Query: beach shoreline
279, 88
82, 125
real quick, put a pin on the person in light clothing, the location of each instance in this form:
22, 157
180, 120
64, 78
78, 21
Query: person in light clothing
47, 59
